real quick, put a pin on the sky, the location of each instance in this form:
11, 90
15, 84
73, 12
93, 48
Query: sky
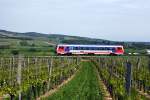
119, 20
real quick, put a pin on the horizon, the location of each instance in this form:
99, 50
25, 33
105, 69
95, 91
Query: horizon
71, 35
115, 20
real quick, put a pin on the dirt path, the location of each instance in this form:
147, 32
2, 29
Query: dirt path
144, 94
106, 94
58, 87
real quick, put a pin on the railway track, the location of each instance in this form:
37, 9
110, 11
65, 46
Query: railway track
82, 56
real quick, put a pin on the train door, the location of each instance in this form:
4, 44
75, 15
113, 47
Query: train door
113, 50
67, 49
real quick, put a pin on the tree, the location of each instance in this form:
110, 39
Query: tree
15, 52
24, 43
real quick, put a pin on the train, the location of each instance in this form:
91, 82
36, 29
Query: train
75, 49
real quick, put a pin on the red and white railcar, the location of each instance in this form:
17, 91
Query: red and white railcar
90, 49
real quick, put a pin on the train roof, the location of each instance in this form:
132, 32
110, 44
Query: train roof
89, 45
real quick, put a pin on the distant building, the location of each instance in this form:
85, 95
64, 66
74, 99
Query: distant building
135, 53
130, 53
148, 51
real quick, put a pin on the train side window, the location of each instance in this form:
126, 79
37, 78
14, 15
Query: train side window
86, 48
81, 48
96, 48
110, 48
107, 48
103, 48
119, 48
71, 48
100, 48
93, 48
75, 48
113, 49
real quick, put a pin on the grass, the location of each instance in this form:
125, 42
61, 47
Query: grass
136, 96
36, 47
84, 86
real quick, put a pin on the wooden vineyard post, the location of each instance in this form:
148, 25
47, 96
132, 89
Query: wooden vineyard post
149, 63
111, 69
19, 75
128, 77
50, 65
10, 70
149, 72
28, 66
68, 61
77, 60
28, 61
1, 62
138, 68
36, 67
100, 64
138, 63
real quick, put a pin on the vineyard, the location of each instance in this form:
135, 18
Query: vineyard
27, 78
125, 77
31, 77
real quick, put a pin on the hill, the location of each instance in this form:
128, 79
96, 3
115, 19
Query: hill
56, 38
29, 40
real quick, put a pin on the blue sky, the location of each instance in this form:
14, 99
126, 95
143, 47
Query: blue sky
121, 20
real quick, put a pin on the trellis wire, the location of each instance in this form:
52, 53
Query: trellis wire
27, 73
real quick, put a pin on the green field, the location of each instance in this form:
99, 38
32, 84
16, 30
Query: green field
84, 86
